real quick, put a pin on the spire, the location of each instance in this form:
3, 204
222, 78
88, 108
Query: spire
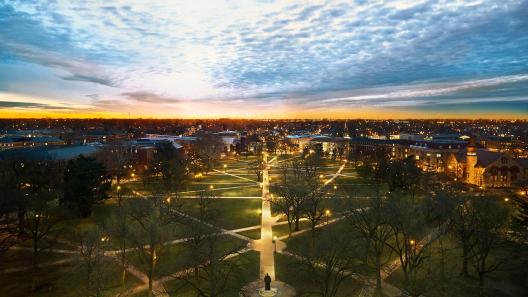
345, 131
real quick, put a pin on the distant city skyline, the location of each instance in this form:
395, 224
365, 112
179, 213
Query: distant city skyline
264, 59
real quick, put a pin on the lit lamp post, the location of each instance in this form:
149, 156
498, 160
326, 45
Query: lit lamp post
275, 243
118, 194
327, 214
413, 245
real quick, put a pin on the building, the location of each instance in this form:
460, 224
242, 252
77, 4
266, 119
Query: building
331, 145
229, 139
60, 153
8, 142
486, 168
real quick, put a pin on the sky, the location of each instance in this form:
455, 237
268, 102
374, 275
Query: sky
264, 59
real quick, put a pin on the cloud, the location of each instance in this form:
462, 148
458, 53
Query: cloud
312, 53
92, 79
32, 105
143, 96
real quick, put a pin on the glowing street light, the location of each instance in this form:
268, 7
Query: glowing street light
506, 199
211, 187
412, 242
275, 243
327, 214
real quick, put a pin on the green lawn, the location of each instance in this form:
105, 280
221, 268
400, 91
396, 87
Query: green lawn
508, 280
229, 213
62, 280
246, 270
291, 271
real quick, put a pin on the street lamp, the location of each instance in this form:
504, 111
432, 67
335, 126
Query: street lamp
119, 194
327, 214
275, 243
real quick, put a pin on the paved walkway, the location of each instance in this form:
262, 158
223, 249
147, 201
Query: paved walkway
265, 245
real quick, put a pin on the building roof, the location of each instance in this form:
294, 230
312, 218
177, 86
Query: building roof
324, 138
12, 139
49, 153
484, 157
523, 162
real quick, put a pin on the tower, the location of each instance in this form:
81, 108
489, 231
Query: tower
471, 162
345, 131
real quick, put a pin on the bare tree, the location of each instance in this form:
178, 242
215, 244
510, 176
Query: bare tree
406, 220
198, 229
208, 148
257, 167
150, 221
218, 270
298, 185
118, 159
490, 231
313, 207
42, 214
465, 221
285, 202
13, 180
92, 249
328, 264
371, 222
9, 227
213, 271
117, 226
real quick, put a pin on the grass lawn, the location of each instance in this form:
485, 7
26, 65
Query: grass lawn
509, 280
255, 233
62, 280
229, 213
246, 270
290, 271
178, 257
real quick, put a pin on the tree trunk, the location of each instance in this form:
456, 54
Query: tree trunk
481, 283
297, 223
464, 271
123, 276
21, 220
378, 274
